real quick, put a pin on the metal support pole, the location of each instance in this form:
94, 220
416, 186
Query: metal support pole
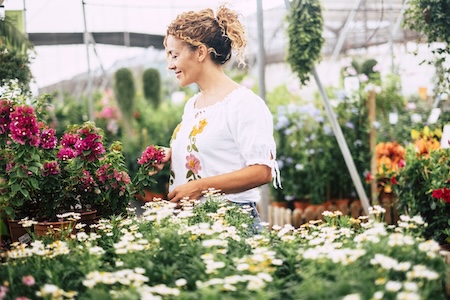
391, 36
261, 59
86, 37
341, 140
25, 31
343, 145
343, 32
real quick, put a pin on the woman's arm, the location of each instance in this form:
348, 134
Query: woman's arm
230, 183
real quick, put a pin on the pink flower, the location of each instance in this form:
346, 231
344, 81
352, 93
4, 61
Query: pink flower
48, 138
69, 139
193, 164
28, 280
3, 291
66, 154
89, 146
152, 155
24, 127
50, 168
87, 182
6, 108
22, 298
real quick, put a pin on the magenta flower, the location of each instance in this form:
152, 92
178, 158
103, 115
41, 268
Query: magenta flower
89, 146
48, 138
87, 182
69, 139
193, 163
152, 155
50, 168
6, 108
28, 280
66, 154
24, 126
113, 178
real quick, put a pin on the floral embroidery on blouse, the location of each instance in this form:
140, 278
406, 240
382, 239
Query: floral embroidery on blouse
196, 130
193, 166
174, 134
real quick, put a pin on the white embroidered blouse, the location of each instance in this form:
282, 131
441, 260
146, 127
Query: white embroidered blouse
224, 137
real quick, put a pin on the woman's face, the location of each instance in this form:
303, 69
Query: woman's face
182, 61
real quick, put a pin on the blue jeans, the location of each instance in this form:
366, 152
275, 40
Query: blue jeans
256, 225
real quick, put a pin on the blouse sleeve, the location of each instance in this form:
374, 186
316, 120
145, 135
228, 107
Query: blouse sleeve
251, 124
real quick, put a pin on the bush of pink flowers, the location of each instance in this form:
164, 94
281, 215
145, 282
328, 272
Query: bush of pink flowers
42, 176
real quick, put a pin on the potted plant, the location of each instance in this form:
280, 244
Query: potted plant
143, 180
41, 178
422, 189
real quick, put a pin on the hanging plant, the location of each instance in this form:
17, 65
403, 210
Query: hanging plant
430, 17
305, 37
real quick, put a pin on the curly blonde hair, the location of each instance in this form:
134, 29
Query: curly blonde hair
221, 33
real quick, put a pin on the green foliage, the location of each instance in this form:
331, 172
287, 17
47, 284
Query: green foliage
125, 91
311, 163
152, 86
305, 37
429, 17
14, 65
416, 181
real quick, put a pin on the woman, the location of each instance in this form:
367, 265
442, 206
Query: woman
225, 139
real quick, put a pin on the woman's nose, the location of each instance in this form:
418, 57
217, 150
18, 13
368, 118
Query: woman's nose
171, 65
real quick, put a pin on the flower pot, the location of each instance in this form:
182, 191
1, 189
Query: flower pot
88, 218
300, 204
149, 196
53, 229
280, 204
17, 232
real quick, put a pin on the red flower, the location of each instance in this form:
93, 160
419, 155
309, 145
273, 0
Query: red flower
368, 177
394, 180
443, 194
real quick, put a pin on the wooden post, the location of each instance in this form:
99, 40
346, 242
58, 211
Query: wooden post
372, 144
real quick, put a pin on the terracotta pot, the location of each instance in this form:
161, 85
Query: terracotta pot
17, 232
88, 217
280, 204
300, 204
53, 229
149, 196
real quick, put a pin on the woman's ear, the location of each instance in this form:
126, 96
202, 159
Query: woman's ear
202, 52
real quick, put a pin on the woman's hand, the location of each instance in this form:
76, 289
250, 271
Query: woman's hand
191, 190
159, 167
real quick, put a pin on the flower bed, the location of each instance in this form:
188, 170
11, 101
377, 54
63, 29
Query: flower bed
208, 251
